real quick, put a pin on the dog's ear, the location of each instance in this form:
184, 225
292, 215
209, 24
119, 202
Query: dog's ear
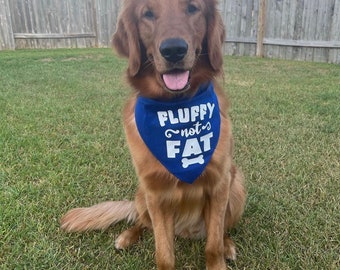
215, 38
126, 42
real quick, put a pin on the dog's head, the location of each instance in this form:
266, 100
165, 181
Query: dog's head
175, 45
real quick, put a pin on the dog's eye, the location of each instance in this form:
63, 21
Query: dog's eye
192, 9
149, 14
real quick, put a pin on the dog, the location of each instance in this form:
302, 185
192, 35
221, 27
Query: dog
178, 132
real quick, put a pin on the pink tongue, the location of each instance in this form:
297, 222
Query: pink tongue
176, 81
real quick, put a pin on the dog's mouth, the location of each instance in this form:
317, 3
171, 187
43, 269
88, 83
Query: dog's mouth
177, 80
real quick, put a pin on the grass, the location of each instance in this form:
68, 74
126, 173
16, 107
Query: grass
62, 146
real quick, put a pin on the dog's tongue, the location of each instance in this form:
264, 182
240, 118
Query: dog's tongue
176, 81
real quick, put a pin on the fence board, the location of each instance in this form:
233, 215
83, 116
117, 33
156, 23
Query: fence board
6, 30
334, 54
291, 15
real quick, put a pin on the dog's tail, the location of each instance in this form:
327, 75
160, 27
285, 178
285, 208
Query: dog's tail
99, 216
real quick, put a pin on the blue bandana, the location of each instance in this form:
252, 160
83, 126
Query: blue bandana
181, 134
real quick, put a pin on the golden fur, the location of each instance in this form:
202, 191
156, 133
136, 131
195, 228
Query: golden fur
215, 201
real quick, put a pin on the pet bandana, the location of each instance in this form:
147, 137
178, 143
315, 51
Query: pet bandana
181, 134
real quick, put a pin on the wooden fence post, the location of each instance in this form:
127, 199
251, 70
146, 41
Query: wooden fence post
261, 23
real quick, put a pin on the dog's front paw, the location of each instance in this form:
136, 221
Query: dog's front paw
215, 260
229, 249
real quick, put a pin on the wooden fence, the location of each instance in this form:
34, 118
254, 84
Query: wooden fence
288, 29
57, 23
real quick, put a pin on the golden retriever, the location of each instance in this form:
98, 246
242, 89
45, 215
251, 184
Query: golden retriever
178, 132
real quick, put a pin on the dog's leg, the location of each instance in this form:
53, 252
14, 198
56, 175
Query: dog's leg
163, 227
235, 208
214, 215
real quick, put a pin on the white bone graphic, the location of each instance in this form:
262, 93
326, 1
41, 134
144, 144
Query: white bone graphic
186, 162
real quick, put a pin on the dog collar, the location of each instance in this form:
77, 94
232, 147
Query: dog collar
181, 134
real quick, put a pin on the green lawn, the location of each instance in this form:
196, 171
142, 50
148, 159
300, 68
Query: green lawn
62, 146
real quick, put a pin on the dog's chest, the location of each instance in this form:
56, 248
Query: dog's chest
182, 134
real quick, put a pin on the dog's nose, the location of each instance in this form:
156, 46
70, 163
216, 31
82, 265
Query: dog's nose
173, 49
